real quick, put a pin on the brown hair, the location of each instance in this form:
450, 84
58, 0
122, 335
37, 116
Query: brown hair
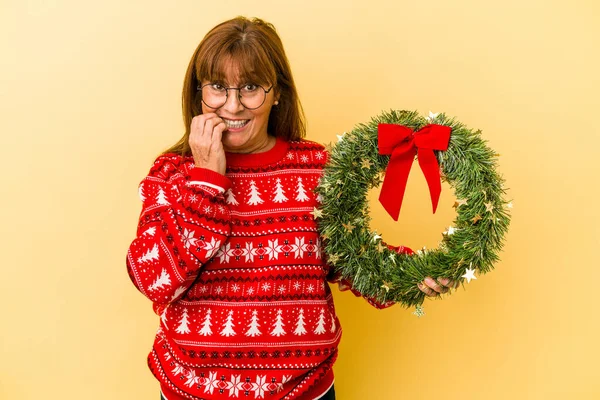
256, 50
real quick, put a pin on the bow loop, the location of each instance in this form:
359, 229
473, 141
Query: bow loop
392, 135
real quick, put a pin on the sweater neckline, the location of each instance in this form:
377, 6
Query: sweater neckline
271, 156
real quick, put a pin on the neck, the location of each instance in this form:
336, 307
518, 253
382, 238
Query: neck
265, 145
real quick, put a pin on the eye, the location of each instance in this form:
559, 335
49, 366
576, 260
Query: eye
249, 87
217, 86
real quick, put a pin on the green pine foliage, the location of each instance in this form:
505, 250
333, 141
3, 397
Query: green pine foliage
469, 166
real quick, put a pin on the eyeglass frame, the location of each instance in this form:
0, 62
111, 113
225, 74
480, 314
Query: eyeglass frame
199, 88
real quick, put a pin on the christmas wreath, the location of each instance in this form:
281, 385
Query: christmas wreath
383, 150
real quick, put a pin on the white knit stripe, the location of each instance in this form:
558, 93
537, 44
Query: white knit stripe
270, 211
211, 185
279, 343
172, 178
236, 304
291, 171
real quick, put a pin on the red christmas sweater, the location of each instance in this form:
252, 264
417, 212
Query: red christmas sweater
235, 268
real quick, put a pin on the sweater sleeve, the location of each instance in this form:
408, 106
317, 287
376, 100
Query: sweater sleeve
183, 222
346, 284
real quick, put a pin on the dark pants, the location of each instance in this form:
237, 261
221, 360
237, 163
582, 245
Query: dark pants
330, 395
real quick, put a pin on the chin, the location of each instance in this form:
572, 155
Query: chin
233, 140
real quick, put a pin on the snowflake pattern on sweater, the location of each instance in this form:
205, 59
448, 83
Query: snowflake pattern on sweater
235, 269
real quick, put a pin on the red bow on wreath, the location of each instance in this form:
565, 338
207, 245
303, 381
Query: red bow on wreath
402, 143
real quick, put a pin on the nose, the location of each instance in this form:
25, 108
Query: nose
232, 103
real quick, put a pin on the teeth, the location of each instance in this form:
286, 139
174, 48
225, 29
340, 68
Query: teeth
235, 124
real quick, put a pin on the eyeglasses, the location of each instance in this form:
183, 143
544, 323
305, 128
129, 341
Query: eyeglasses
251, 96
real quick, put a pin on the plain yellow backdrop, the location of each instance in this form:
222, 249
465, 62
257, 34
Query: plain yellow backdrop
91, 93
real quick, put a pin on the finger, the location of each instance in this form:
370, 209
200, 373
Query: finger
452, 284
444, 281
202, 118
427, 290
198, 120
195, 124
218, 134
197, 127
200, 140
448, 283
220, 125
209, 126
434, 285
214, 123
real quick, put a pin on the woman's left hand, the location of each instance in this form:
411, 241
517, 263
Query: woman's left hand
433, 289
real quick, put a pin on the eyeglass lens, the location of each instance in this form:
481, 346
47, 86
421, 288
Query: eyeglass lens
251, 96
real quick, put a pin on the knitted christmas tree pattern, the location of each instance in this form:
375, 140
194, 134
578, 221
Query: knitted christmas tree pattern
235, 269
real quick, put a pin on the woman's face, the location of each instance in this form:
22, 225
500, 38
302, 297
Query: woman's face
252, 136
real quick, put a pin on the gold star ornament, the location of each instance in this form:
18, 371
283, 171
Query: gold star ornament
459, 202
334, 258
387, 286
316, 213
349, 227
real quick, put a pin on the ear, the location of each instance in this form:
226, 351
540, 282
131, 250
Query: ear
276, 95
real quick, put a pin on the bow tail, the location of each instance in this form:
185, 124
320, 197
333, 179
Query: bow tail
431, 170
394, 183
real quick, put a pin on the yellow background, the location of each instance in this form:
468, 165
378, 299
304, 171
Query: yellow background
91, 93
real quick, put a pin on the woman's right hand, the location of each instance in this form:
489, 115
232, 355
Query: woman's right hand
205, 142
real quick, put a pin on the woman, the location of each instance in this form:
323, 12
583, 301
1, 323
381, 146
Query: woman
226, 246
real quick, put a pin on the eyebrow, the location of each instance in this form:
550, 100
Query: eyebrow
249, 81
